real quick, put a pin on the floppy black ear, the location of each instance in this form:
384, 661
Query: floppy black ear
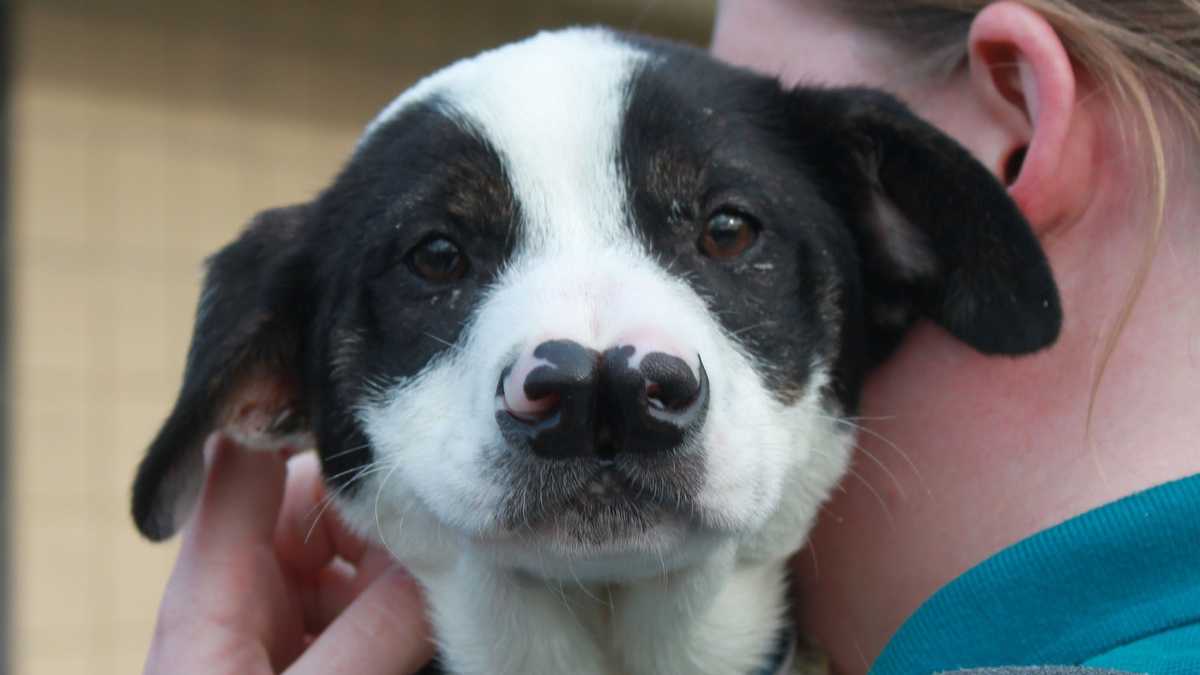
938, 232
243, 370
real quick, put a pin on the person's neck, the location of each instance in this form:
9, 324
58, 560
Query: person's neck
965, 454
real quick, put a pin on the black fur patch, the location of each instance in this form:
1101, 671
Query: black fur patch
423, 174
700, 137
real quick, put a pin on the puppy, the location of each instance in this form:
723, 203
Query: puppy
577, 330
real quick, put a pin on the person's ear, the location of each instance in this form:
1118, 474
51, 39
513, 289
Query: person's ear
1041, 142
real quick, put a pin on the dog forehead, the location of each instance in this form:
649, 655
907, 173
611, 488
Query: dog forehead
542, 79
551, 107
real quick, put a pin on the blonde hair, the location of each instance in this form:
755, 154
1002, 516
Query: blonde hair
1145, 53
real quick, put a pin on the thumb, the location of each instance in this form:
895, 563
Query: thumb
226, 593
241, 499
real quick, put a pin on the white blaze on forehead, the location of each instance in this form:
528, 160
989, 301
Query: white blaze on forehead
551, 106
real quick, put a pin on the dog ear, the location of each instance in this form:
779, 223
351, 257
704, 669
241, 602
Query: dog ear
938, 233
243, 368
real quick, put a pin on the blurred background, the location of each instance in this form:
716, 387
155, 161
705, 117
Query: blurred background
141, 135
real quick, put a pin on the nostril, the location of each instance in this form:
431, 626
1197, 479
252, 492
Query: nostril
546, 401
534, 411
658, 398
654, 405
671, 384
516, 399
654, 396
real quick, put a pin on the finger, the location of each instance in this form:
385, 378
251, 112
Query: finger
310, 533
225, 594
241, 498
383, 632
337, 586
333, 565
301, 541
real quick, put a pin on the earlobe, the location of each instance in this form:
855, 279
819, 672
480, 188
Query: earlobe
1023, 74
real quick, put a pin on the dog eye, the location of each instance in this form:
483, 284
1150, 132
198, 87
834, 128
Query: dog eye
438, 259
728, 234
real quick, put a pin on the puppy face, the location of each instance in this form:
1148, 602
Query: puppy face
593, 305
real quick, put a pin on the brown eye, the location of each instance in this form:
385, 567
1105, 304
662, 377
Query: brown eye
438, 259
728, 234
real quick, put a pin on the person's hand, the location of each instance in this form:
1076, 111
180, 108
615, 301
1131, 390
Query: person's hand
259, 589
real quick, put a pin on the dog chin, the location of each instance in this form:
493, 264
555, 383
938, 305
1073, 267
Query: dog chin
572, 550
608, 529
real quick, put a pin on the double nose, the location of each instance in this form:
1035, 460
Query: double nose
564, 400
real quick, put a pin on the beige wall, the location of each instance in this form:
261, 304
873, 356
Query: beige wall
143, 138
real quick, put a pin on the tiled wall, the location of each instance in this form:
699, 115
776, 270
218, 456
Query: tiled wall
143, 138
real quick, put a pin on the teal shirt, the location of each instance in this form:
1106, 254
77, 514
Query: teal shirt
1117, 587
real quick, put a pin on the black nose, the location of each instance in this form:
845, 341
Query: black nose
597, 404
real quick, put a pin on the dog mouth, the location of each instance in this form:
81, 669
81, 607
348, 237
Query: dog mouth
605, 509
599, 504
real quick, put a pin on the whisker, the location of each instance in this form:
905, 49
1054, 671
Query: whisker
340, 489
899, 451
329, 499
878, 462
326, 503
348, 451
850, 422
378, 523
878, 497
451, 345
754, 327
352, 470
870, 418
